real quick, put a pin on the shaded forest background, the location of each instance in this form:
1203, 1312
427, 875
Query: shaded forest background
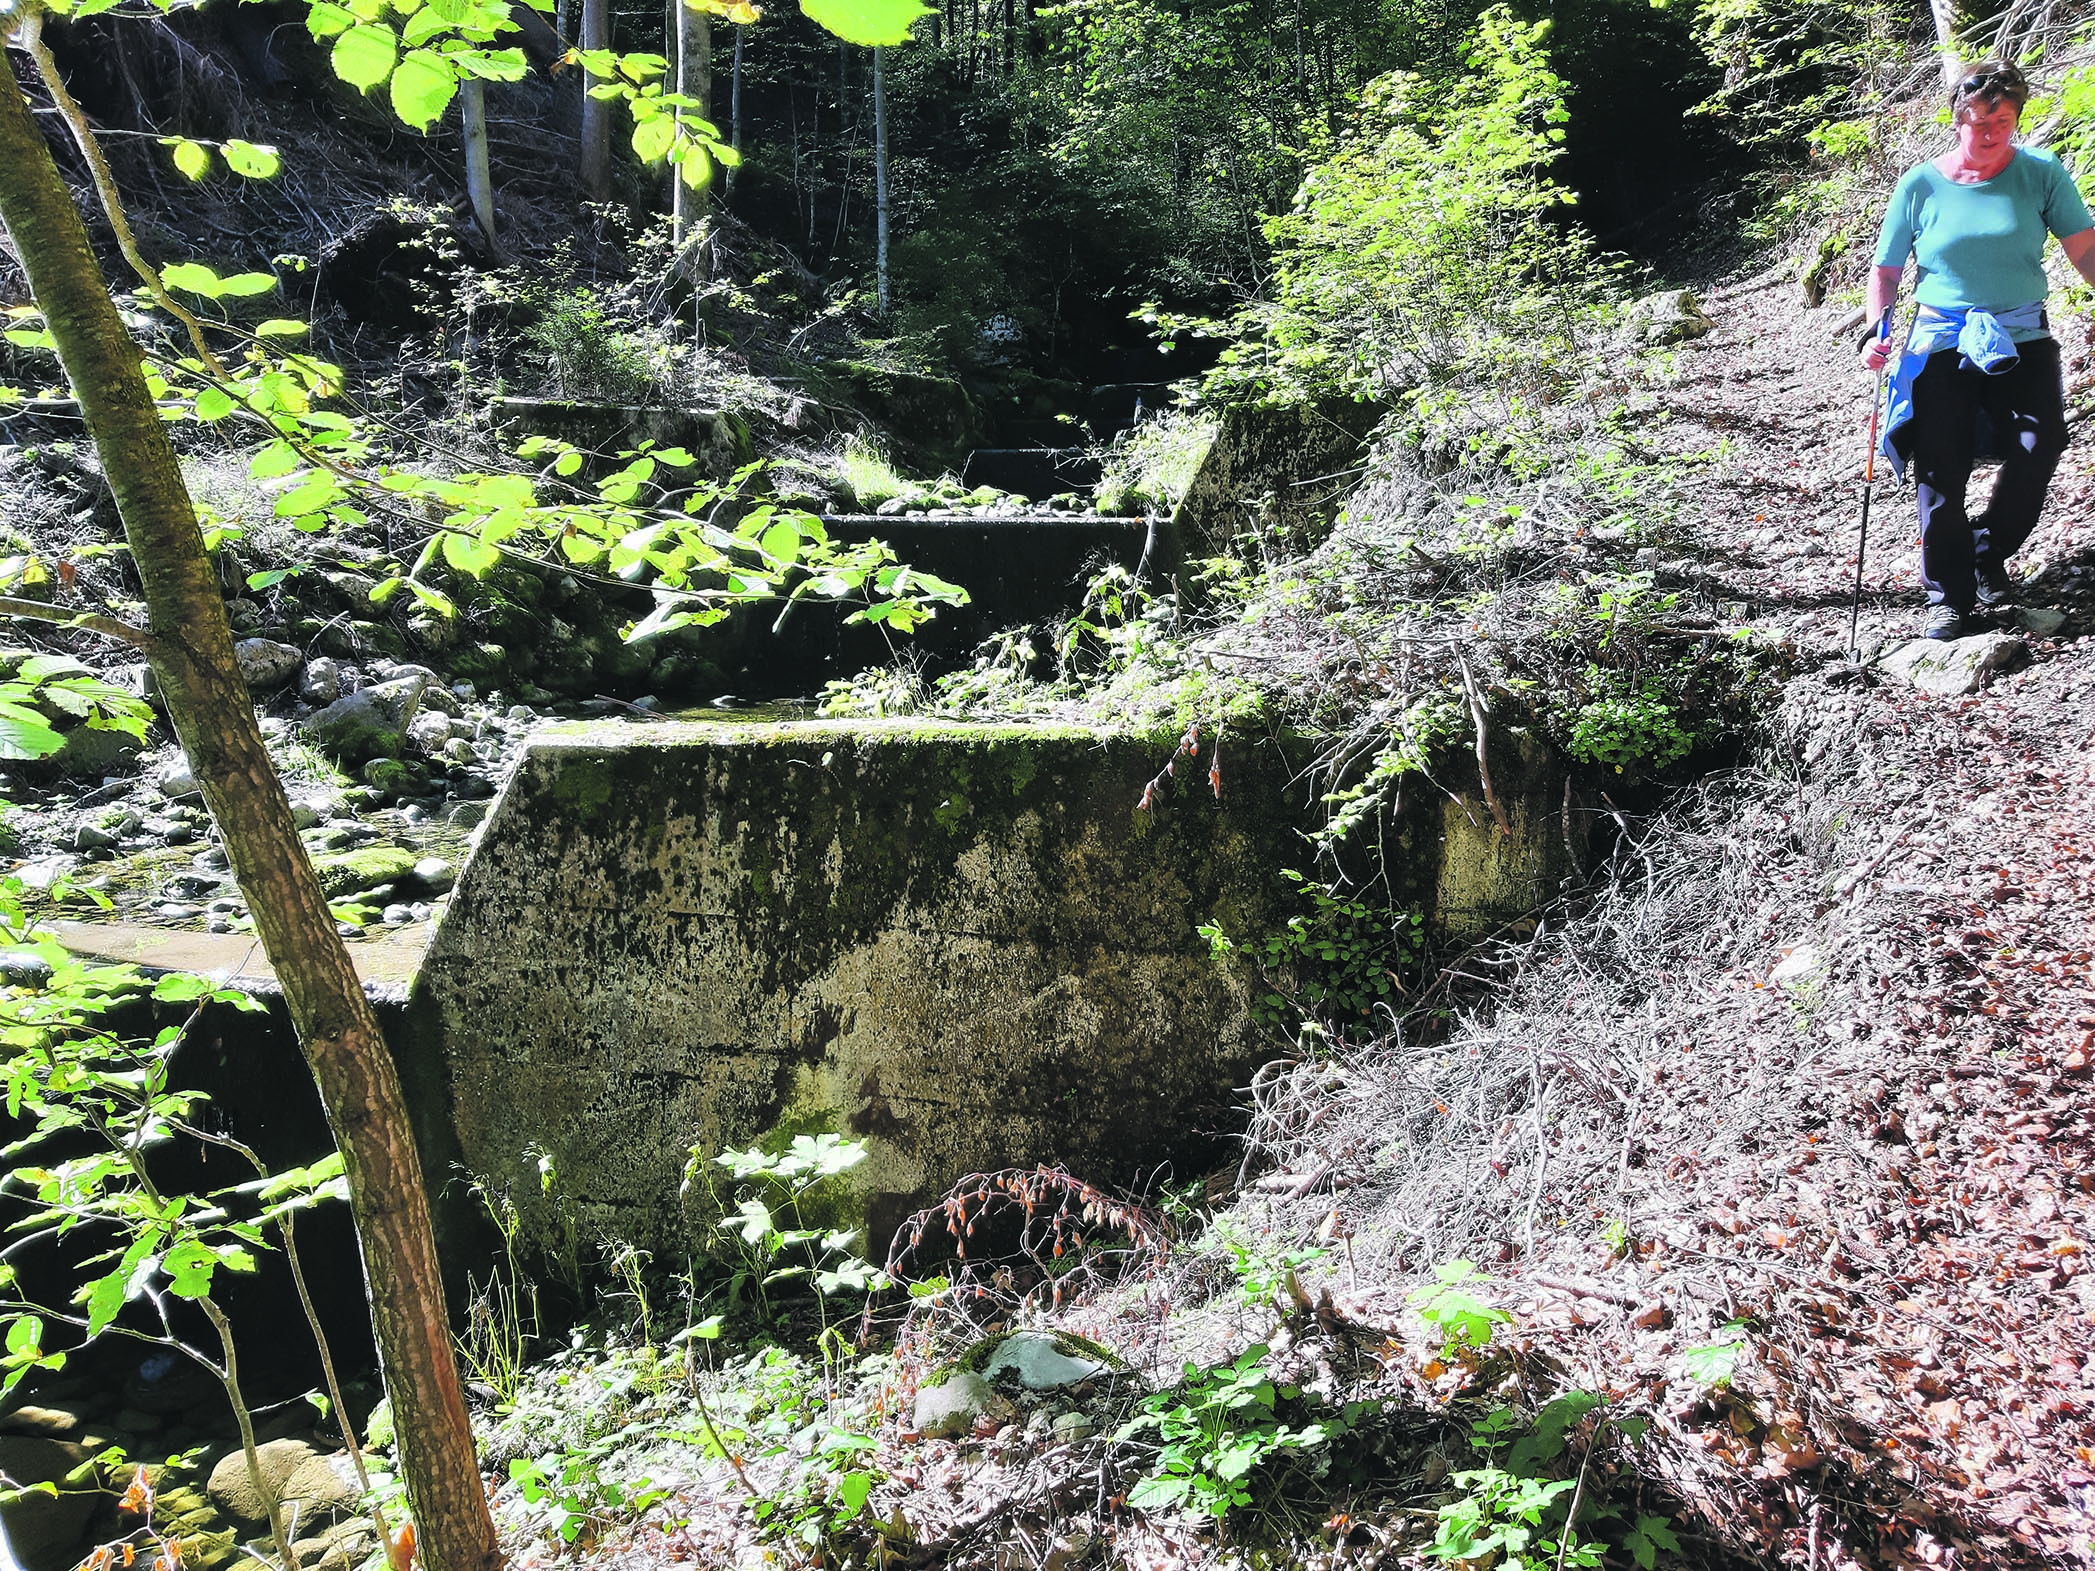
1052, 171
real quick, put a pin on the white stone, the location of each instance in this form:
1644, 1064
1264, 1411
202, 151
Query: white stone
429, 730
1040, 1364
1949, 668
322, 684
949, 1410
44, 872
1798, 962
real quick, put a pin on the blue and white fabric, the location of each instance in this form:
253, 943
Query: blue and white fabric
1983, 340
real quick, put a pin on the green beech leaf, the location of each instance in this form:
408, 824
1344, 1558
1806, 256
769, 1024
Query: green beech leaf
247, 284
251, 161
282, 327
314, 492
363, 57
435, 600
192, 158
424, 25
27, 738
214, 403
275, 461
423, 88
867, 22
193, 278
326, 19
468, 555
652, 138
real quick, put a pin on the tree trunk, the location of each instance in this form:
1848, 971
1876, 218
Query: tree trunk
694, 67
734, 105
480, 183
880, 180
596, 114
192, 656
814, 156
1949, 22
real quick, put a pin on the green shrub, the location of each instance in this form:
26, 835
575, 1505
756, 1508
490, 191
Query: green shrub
590, 356
1148, 469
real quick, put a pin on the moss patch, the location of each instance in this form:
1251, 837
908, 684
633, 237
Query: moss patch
352, 872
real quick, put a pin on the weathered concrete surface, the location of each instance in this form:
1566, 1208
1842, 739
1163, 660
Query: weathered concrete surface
962, 943
1283, 469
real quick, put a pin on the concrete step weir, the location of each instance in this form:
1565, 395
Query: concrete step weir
965, 944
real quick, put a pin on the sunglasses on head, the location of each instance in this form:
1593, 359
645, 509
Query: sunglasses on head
1989, 82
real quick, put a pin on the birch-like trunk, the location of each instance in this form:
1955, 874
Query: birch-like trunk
880, 180
694, 66
1949, 23
480, 183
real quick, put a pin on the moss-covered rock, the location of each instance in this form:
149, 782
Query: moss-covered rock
345, 873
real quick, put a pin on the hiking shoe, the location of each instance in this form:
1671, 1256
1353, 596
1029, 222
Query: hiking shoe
1995, 587
1946, 622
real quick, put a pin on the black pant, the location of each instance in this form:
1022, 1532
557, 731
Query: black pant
2027, 406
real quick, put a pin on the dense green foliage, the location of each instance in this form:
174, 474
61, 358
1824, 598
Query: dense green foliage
1421, 246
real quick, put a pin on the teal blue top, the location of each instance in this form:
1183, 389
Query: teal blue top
1982, 246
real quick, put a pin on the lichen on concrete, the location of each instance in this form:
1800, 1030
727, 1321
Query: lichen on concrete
963, 944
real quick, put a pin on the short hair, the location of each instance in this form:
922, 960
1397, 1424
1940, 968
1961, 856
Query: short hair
1991, 82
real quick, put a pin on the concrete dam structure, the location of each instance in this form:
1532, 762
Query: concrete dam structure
964, 944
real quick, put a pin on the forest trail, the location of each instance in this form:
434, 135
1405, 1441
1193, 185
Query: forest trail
1923, 1206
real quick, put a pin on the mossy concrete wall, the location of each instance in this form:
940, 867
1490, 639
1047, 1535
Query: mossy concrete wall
961, 943
1283, 471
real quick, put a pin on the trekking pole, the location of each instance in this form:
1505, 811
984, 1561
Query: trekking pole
1869, 481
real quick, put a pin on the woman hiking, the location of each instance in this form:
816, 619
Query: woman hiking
1979, 374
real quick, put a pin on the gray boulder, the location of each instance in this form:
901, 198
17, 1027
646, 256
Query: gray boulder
1072, 1427
2043, 620
21, 968
323, 1486
41, 1527
1043, 1362
323, 682
429, 731
951, 1409
370, 723
1950, 668
1671, 316
266, 664
53, 1423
